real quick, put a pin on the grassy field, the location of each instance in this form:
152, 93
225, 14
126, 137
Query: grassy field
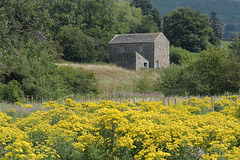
226, 43
112, 78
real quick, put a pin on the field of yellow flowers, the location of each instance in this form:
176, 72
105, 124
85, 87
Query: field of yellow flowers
108, 130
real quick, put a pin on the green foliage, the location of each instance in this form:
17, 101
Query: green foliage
144, 83
157, 18
187, 29
230, 27
171, 80
77, 46
78, 81
19, 21
217, 30
147, 9
129, 17
145, 5
100, 18
65, 13
133, 21
11, 92
235, 47
212, 73
39, 77
206, 74
148, 25
2, 86
179, 56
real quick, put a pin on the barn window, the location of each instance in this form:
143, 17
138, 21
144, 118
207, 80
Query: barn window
122, 49
145, 65
140, 48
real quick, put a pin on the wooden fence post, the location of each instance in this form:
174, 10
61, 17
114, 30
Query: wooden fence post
212, 103
32, 99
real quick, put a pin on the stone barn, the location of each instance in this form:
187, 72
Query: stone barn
134, 51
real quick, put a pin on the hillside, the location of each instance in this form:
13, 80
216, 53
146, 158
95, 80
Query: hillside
228, 10
116, 79
110, 77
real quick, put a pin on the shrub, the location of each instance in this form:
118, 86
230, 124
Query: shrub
235, 47
171, 80
1, 91
12, 92
144, 83
39, 76
179, 56
212, 73
77, 46
78, 81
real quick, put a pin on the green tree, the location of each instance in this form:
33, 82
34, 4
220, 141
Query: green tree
218, 73
235, 47
96, 19
77, 46
145, 5
132, 21
217, 30
19, 22
12, 92
179, 56
147, 9
65, 12
171, 80
129, 17
205, 76
187, 29
213, 73
230, 27
148, 25
27, 53
157, 18
100, 19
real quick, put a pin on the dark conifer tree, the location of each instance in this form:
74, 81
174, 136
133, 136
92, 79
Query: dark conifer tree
216, 26
145, 5
147, 9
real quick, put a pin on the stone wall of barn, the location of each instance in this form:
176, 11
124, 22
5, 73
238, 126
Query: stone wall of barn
162, 52
126, 57
141, 62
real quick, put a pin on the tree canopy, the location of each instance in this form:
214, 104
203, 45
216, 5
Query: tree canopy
187, 29
213, 73
217, 30
27, 53
235, 47
147, 9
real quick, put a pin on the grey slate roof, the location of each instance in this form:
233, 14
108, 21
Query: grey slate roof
134, 38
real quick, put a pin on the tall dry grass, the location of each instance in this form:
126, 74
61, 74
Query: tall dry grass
110, 77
